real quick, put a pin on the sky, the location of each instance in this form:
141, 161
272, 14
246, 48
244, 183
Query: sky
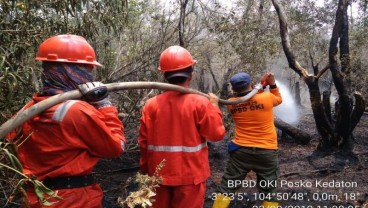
229, 3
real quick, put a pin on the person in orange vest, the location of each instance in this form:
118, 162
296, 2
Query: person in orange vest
175, 126
62, 145
254, 146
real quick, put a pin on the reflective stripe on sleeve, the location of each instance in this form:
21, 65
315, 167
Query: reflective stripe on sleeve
62, 110
123, 145
176, 148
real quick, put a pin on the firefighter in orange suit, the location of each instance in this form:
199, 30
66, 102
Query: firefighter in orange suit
176, 127
254, 146
62, 145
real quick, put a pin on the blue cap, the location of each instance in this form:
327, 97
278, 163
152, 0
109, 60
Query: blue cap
240, 80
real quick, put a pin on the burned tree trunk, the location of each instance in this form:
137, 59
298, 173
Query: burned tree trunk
225, 82
292, 131
342, 79
298, 99
181, 28
324, 127
335, 130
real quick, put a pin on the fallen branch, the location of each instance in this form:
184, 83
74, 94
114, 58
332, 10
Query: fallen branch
24, 115
292, 131
320, 171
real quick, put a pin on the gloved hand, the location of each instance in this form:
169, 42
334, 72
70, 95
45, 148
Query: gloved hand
96, 94
268, 79
271, 79
264, 80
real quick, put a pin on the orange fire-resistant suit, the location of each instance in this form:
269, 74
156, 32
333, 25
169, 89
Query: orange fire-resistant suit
176, 127
254, 120
68, 139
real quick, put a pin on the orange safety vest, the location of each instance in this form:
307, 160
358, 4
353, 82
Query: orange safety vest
254, 120
68, 139
176, 127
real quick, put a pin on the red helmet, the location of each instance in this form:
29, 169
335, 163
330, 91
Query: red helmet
67, 48
175, 58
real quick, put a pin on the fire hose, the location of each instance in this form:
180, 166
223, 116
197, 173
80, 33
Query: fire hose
25, 114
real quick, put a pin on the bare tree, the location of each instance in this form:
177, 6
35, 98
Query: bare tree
181, 26
335, 131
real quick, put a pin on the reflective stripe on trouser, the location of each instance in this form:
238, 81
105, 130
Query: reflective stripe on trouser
177, 148
262, 161
180, 196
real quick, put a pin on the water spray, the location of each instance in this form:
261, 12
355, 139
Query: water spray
287, 110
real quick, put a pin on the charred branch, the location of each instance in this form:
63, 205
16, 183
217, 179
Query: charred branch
183, 6
224, 91
320, 73
358, 110
323, 125
201, 82
314, 66
208, 59
338, 77
292, 131
344, 38
343, 120
285, 40
342, 78
327, 104
298, 100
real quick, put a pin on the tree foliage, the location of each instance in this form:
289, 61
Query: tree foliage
25, 24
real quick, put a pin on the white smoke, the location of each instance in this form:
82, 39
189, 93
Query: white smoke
287, 110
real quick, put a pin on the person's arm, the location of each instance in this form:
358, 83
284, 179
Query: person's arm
277, 99
101, 131
142, 141
211, 123
271, 81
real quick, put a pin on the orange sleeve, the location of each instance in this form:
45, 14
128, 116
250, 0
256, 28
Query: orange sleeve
277, 99
211, 124
11, 135
142, 141
100, 130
